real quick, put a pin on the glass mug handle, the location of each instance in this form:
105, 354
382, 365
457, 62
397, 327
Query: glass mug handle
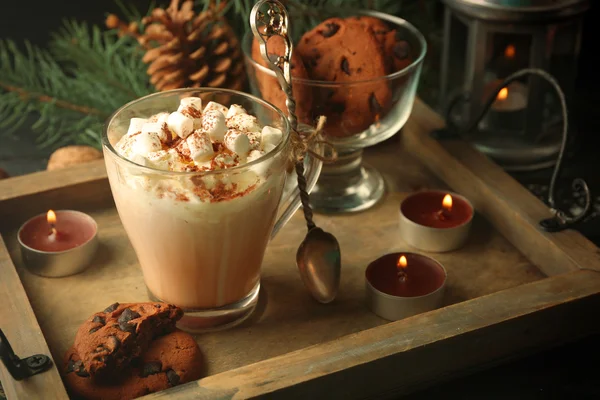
290, 202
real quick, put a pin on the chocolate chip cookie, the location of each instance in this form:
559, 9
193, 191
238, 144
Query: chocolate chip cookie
110, 339
396, 50
170, 360
269, 86
346, 53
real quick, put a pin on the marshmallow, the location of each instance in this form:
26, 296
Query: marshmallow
254, 140
237, 142
138, 159
235, 109
135, 125
146, 142
181, 124
222, 161
160, 118
270, 137
268, 147
194, 102
213, 123
213, 105
261, 167
157, 128
200, 146
244, 123
254, 155
158, 159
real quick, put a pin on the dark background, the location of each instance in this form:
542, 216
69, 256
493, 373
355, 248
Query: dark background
567, 372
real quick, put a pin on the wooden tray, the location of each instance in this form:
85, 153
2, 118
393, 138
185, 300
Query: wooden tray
512, 289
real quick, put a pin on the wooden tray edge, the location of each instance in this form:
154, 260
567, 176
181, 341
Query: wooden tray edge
398, 357
25, 337
509, 206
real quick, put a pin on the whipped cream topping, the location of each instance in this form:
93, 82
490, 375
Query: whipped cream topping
193, 138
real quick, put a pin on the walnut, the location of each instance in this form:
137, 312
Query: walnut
72, 155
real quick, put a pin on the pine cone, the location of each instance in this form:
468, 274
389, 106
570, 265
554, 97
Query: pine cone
185, 49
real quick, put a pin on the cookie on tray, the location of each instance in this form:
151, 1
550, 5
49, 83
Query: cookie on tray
170, 360
343, 52
108, 340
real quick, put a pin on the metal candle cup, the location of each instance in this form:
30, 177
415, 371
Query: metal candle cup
65, 247
426, 225
421, 291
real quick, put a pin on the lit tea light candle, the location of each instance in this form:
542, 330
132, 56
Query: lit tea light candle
435, 221
399, 285
510, 51
511, 98
58, 243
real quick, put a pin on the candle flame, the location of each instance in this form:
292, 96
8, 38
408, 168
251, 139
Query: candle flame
503, 94
447, 202
51, 217
510, 51
402, 263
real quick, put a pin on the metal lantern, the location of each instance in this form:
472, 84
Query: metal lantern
487, 40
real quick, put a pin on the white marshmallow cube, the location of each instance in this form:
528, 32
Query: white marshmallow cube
200, 146
237, 142
181, 124
194, 102
213, 105
263, 166
244, 123
271, 137
268, 147
138, 159
235, 109
254, 155
213, 123
160, 118
155, 127
135, 125
158, 159
146, 142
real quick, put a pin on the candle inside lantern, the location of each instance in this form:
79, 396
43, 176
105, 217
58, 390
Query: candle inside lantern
510, 51
511, 98
57, 231
405, 274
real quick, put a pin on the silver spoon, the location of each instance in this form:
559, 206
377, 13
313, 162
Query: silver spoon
318, 257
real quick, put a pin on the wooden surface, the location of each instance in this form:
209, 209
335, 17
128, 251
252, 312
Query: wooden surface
20, 326
406, 355
287, 319
506, 203
498, 303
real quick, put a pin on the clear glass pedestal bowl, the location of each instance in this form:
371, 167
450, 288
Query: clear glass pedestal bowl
348, 184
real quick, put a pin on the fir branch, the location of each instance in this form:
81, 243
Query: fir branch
71, 89
26, 96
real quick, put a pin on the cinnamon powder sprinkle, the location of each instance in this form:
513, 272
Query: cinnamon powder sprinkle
192, 112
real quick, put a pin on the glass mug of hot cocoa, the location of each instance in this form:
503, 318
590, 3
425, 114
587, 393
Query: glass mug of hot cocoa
199, 177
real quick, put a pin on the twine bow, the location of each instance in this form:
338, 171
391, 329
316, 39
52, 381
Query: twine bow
305, 139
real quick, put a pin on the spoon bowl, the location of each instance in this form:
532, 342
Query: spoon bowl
319, 262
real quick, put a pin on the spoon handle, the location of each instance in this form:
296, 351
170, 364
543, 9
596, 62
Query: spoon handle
275, 22
304, 196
